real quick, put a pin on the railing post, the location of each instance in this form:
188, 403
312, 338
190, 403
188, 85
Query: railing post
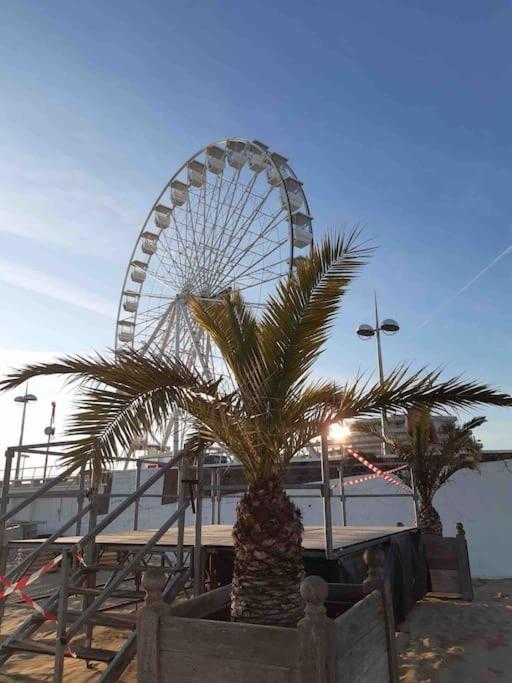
414, 496
342, 494
198, 555
326, 494
90, 559
374, 558
181, 520
81, 497
212, 493
219, 494
316, 635
461, 549
138, 464
4, 504
60, 643
148, 626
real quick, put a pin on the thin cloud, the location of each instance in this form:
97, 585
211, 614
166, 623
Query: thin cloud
54, 288
477, 277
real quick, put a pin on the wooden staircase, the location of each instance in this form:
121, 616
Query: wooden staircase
448, 562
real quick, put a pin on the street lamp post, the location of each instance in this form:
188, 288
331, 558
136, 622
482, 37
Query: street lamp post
25, 399
49, 431
365, 331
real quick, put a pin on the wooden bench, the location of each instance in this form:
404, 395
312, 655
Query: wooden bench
448, 562
177, 644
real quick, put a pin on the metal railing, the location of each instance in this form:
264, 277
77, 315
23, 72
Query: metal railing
87, 545
75, 479
311, 490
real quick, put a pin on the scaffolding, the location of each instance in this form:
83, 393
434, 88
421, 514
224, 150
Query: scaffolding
104, 582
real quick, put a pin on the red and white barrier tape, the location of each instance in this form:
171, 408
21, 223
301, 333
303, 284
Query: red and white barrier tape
26, 581
369, 477
383, 475
80, 558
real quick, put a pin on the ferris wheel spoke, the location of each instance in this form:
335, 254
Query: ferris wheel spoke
222, 237
246, 248
182, 245
150, 314
227, 235
168, 252
277, 276
160, 278
152, 328
216, 188
203, 232
215, 229
199, 271
220, 202
195, 343
239, 232
239, 207
170, 314
251, 267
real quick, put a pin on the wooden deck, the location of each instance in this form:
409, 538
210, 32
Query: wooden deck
220, 535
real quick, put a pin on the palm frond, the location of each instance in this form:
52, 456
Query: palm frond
297, 319
401, 391
235, 331
120, 399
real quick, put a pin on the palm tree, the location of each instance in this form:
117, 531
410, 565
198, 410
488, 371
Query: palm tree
274, 411
434, 456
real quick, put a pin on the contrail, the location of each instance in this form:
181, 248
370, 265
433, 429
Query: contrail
448, 301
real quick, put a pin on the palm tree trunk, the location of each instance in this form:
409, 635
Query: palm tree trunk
268, 566
429, 520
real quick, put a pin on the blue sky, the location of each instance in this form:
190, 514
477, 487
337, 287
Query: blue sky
395, 115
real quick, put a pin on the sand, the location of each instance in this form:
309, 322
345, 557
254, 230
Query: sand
451, 641
441, 642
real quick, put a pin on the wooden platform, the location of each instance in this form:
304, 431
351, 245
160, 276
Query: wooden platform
345, 539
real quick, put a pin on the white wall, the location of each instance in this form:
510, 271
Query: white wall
482, 502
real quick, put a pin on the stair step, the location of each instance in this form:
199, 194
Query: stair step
130, 595
111, 619
38, 647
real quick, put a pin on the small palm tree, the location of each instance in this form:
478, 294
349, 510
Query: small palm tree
274, 411
434, 456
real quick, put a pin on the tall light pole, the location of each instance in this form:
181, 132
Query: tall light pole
25, 399
365, 331
49, 431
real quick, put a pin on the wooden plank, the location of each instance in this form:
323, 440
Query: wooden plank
345, 592
365, 658
259, 645
221, 535
182, 668
445, 581
353, 625
389, 618
39, 647
448, 562
439, 547
203, 605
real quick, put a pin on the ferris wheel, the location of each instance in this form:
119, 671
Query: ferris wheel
233, 217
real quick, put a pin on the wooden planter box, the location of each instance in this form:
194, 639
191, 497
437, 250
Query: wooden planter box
179, 645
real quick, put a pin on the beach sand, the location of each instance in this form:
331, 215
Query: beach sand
442, 641
451, 641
